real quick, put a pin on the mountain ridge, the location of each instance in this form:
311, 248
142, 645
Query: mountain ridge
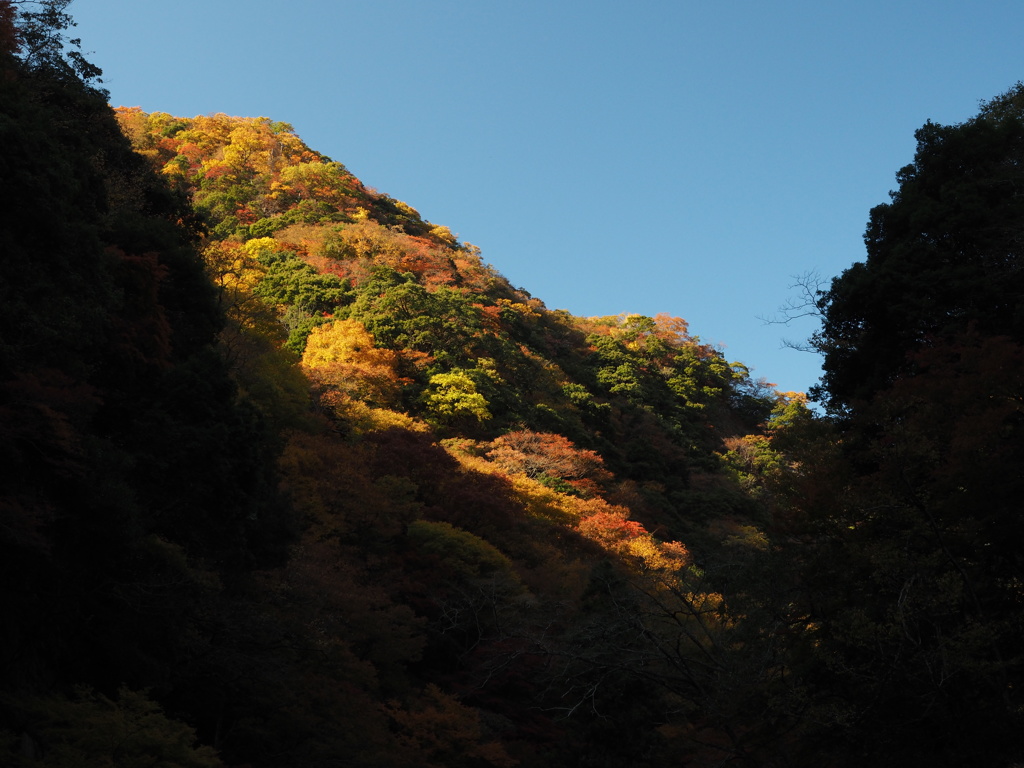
293, 477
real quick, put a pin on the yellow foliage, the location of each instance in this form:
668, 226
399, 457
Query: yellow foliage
362, 418
240, 151
366, 239
133, 122
525, 311
652, 555
327, 181
407, 209
536, 499
303, 237
172, 169
627, 541
236, 272
344, 341
645, 549
541, 501
252, 338
261, 246
706, 602
342, 356
218, 127
443, 234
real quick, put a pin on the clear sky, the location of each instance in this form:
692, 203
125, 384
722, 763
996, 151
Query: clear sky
688, 157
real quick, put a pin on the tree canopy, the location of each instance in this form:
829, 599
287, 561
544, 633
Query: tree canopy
292, 477
944, 256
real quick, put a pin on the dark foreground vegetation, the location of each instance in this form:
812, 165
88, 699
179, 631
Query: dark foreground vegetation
291, 477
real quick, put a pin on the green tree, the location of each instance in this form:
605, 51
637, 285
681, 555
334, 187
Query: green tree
91, 729
132, 472
903, 532
401, 313
943, 256
904, 536
42, 42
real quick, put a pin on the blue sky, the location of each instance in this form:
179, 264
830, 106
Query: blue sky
682, 157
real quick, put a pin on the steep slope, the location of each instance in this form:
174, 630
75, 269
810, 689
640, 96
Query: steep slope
134, 484
295, 473
291, 477
472, 355
485, 471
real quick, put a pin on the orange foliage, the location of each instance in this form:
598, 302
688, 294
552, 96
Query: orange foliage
615, 532
673, 330
490, 317
366, 240
303, 238
537, 454
611, 527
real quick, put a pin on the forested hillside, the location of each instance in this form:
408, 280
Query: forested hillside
293, 477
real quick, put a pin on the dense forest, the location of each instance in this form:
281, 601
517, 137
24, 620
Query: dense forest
292, 477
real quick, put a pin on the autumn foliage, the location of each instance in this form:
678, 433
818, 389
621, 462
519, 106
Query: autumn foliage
295, 478
549, 457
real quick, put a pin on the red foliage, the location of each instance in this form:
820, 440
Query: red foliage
424, 259
328, 266
216, 171
245, 215
192, 151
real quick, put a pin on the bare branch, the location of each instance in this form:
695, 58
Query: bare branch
810, 288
